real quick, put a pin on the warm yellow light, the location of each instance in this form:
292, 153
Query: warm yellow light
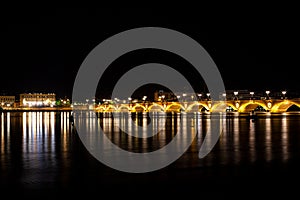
269, 104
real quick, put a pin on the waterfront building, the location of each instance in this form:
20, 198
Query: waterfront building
37, 100
7, 101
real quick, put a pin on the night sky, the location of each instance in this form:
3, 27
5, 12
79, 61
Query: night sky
42, 50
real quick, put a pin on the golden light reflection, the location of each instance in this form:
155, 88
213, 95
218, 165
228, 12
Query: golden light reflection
144, 125
64, 132
193, 131
242, 140
115, 128
207, 129
5, 140
252, 148
129, 128
25, 132
268, 139
2, 135
39, 132
236, 140
182, 133
52, 131
284, 139
8, 125
199, 130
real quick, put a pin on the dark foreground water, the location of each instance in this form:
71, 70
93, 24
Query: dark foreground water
42, 156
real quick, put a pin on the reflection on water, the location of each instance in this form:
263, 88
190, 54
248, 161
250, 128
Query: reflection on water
268, 140
252, 149
41, 142
33, 142
284, 139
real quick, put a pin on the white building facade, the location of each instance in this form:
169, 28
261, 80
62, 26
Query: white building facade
7, 101
37, 100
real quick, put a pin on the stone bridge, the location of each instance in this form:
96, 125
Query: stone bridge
271, 105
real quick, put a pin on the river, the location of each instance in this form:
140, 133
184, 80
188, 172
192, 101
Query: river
42, 154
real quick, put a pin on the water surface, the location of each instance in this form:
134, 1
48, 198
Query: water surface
41, 153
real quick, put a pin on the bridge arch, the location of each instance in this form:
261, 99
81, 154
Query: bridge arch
250, 106
230, 104
284, 106
174, 104
134, 108
295, 103
100, 109
110, 107
190, 107
156, 105
123, 107
221, 106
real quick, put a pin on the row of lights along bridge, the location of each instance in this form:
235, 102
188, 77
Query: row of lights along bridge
162, 96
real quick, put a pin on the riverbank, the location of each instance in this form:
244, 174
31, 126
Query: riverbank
37, 109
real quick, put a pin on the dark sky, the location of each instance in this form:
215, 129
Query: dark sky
42, 50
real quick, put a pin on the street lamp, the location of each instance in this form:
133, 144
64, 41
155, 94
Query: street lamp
199, 96
268, 92
283, 93
207, 94
184, 95
163, 98
235, 94
251, 93
117, 100
144, 98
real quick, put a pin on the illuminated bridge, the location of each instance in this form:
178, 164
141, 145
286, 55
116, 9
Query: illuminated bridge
268, 105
